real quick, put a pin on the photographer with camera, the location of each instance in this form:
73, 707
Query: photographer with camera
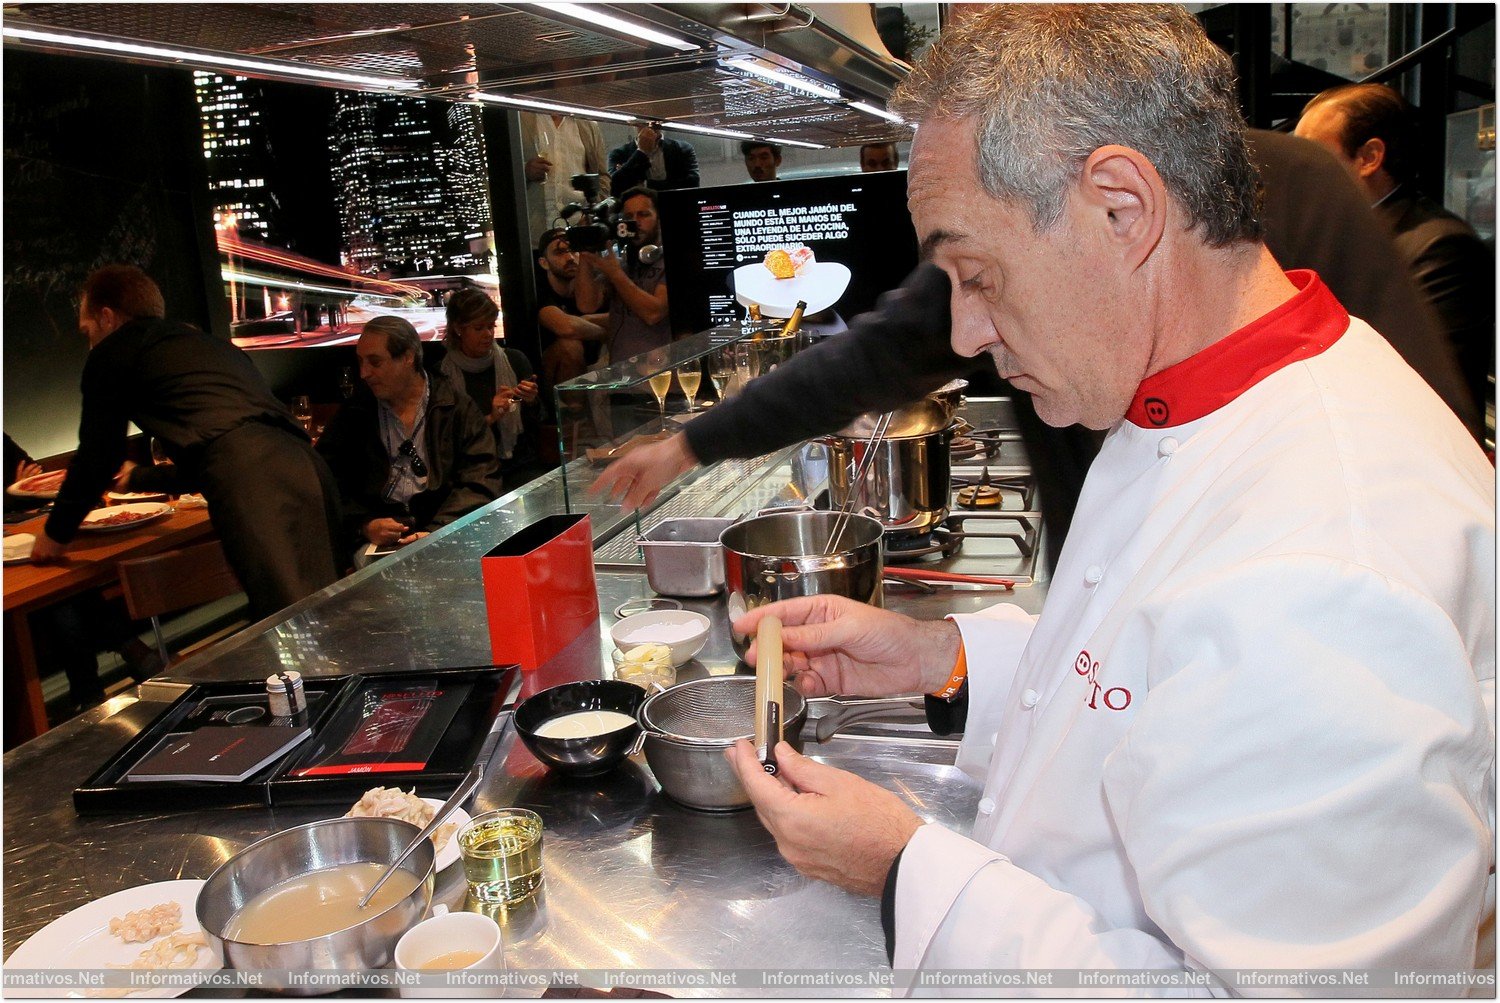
630, 281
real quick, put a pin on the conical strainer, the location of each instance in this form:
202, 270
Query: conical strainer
712, 711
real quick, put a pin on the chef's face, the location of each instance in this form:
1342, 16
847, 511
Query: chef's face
762, 162
643, 212
388, 378
477, 337
1047, 307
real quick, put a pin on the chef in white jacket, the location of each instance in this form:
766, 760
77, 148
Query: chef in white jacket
1252, 726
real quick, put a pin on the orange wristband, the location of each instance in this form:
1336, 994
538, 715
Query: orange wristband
956, 678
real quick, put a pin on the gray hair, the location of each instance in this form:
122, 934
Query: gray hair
401, 339
1052, 83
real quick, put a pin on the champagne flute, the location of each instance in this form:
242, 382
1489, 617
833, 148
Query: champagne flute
721, 370
302, 411
660, 384
689, 378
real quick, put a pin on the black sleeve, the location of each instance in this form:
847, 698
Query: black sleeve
890, 356
689, 173
14, 457
627, 168
888, 909
341, 446
101, 441
1456, 272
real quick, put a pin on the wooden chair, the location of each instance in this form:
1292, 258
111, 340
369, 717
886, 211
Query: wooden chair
173, 581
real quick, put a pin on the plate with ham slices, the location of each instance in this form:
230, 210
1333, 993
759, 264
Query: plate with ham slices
43, 485
115, 518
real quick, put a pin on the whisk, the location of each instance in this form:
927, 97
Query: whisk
872, 446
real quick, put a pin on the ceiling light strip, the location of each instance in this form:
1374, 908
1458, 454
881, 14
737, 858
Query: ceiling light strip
211, 60
561, 109
596, 18
870, 109
708, 130
785, 78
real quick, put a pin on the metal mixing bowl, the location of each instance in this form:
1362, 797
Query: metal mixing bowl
317, 846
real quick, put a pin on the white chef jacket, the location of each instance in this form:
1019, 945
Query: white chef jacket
1249, 728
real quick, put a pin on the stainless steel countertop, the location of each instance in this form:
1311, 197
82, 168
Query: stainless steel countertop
633, 880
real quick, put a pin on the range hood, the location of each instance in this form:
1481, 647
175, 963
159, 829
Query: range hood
780, 72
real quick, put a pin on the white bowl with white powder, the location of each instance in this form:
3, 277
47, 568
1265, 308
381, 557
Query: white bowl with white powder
681, 630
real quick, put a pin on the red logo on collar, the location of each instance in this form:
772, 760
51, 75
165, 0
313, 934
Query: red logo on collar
1301, 328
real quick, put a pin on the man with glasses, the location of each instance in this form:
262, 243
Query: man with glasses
412, 455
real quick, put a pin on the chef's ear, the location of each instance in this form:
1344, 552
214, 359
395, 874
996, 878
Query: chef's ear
1124, 192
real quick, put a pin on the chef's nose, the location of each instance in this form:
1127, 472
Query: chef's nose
972, 332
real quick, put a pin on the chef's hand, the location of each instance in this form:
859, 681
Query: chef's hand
27, 468
537, 168
639, 475
829, 824
47, 550
383, 532
605, 262
836, 645
122, 479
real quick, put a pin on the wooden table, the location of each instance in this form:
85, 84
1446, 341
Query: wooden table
92, 562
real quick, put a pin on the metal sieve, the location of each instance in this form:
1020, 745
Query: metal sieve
712, 711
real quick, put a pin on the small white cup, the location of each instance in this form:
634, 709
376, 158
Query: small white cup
444, 933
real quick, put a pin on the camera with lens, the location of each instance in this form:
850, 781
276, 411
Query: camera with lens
594, 223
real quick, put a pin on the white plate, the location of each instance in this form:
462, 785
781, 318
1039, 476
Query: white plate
18, 547
23, 488
148, 511
135, 496
820, 285
81, 939
448, 855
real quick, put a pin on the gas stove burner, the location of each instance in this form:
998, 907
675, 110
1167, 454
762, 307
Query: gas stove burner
938, 544
963, 448
979, 496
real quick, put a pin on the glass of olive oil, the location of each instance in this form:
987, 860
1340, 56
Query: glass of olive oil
502, 854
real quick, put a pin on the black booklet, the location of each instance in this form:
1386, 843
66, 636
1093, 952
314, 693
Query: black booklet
223, 753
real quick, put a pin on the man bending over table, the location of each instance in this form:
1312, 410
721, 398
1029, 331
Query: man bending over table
270, 497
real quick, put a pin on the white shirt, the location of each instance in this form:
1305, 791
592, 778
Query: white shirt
1252, 725
563, 145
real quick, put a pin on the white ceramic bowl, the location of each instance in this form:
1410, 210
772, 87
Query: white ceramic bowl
658, 626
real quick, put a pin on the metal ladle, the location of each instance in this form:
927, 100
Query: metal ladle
466, 787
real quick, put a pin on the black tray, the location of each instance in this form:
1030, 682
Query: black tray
336, 706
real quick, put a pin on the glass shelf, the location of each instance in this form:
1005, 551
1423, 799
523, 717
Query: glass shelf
609, 411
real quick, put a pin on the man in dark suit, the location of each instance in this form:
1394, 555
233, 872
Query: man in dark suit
1371, 130
651, 159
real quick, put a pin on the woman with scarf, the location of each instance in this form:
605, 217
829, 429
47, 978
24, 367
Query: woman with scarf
500, 381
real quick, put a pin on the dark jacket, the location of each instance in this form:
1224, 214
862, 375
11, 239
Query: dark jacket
1455, 271
629, 167
463, 472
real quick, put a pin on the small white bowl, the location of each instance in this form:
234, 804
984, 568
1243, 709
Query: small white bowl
637, 629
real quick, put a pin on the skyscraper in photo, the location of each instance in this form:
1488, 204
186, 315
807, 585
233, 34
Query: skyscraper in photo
410, 182
237, 154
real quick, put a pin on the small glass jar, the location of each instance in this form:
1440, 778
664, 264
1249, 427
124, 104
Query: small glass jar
645, 665
285, 693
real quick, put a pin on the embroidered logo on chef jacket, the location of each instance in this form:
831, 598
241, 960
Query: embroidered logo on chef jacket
1157, 412
1113, 698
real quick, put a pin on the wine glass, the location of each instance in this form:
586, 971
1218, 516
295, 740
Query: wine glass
302, 411
660, 384
721, 370
346, 383
689, 378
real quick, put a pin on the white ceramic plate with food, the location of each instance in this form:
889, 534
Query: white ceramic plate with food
447, 853
115, 518
81, 939
43, 485
18, 547
820, 285
135, 496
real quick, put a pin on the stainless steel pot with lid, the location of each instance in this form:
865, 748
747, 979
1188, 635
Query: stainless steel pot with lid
931, 413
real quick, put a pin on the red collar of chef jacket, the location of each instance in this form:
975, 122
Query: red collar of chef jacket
1301, 328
